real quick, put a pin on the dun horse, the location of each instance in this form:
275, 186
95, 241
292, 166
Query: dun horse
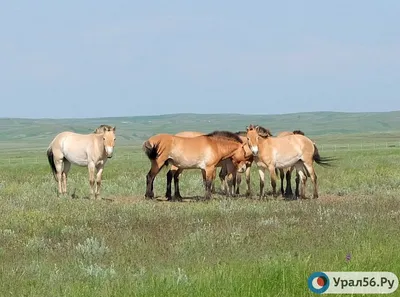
203, 152
228, 178
284, 152
91, 150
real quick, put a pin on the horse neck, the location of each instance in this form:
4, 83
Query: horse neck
99, 146
264, 142
228, 148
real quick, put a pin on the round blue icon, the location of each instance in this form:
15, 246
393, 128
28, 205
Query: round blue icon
318, 282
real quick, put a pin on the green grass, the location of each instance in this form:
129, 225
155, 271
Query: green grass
125, 245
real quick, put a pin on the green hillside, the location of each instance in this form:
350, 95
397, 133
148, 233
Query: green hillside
328, 126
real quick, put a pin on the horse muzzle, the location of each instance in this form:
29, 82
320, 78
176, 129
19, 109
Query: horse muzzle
254, 151
241, 169
109, 151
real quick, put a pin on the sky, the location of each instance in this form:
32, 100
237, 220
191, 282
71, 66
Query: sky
78, 59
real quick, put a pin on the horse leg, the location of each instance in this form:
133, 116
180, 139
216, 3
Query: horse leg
234, 179
156, 166
67, 167
177, 194
303, 179
238, 182
289, 192
222, 176
297, 179
91, 169
170, 175
301, 170
272, 172
248, 172
313, 176
59, 164
98, 181
229, 181
231, 178
261, 172
207, 178
213, 181
282, 177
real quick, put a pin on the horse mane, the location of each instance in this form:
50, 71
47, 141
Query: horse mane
298, 132
103, 128
225, 134
241, 133
263, 132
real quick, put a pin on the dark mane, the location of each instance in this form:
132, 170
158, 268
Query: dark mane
103, 128
263, 132
241, 133
298, 132
225, 134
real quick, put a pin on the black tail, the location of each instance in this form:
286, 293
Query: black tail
50, 157
323, 161
151, 150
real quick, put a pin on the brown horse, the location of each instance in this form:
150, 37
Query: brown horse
91, 150
203, 152
284, 152
287, 172
227, 180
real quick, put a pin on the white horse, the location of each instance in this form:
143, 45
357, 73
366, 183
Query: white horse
91, 150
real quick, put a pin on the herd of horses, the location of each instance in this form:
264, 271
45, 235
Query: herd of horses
233, 152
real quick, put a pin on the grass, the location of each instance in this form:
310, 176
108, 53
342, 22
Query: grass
125, 245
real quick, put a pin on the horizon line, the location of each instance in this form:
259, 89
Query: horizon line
193, 113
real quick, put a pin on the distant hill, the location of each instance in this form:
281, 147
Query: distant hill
133, 130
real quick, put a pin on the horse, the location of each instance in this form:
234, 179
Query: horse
283, 152
243, 134
91, 150
203, 152
287, 172
227, 180
225, 169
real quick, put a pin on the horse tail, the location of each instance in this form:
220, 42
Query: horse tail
50, 157
150, 149
323, 161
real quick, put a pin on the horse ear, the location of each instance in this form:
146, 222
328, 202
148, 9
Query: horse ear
250, 127
114, 128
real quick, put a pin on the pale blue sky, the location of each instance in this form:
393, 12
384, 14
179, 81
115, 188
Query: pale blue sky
126, 58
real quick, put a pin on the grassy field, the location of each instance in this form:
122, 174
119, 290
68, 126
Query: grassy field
124, 245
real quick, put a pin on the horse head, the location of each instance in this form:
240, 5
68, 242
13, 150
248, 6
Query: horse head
253, 136
109, 140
